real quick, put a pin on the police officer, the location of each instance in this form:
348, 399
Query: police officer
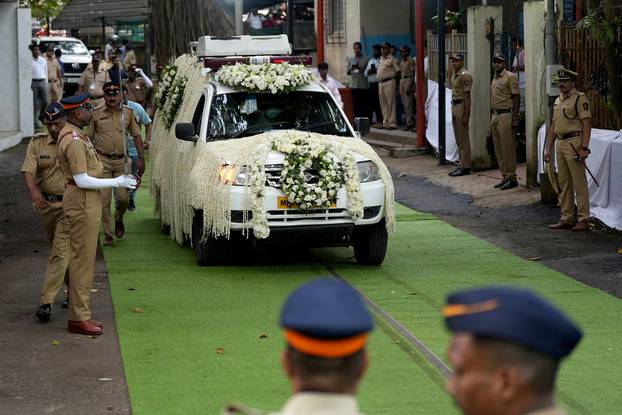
461, 83
138, 85
109, 144
506, 348
82, 206
326, 327
571, 128
505, 103
46, 184
407, 71
55, 77
93, 79
388, 68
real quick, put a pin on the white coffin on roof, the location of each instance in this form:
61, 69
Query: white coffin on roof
243, 46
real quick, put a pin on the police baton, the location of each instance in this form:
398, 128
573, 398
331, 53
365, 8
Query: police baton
582, 161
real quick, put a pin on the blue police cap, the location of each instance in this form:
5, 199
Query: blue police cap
515, 315
499, 57
54, 111
326, 318
75, 101
457, 56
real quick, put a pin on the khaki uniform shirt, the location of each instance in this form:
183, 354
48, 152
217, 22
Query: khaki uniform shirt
461, 82
93, 82
358, 80
407, 68
106, 129
502, 89
53, 69
387, 68
137, 91
76, 153
568, 111
42, 162
549, 411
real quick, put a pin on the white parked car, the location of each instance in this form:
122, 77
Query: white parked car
75, 57
225, 121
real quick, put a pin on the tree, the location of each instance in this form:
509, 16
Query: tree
174, 24
604, 22
43, 9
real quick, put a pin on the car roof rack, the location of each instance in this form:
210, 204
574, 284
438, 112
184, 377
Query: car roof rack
244, 45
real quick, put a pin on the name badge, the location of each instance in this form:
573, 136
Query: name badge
93, 85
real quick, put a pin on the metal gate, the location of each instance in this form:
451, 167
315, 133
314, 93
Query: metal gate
454, 43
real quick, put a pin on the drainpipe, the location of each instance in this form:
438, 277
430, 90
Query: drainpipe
319, 33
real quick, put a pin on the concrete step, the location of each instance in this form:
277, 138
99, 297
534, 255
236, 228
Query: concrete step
392, 136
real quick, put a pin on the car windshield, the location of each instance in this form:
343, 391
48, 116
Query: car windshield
242, 114
68, 47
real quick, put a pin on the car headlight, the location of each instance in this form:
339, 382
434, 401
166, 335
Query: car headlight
238, 176
368, 171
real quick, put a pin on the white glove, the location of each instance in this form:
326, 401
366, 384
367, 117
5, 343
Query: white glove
128, 182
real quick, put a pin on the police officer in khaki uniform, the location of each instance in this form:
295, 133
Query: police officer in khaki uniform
93, 79
109, 143
82, 207
388, 69
46, 184
326, 357
506, 348
571, 129
55, 78
138, 85
461, 83
407, 71
505, 103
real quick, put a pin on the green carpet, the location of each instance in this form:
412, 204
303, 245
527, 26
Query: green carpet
195, 338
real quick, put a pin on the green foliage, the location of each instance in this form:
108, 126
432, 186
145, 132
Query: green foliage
452, 19
42, 9
602, 29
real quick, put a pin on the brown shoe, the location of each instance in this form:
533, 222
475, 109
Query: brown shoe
119, 229
108, 241
582, 225
88, 328
561, 225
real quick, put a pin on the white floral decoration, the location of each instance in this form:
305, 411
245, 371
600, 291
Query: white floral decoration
164, 85
266, 77
173, 100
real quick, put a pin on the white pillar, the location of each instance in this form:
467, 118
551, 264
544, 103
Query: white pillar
239, 28
479, 64
535, 95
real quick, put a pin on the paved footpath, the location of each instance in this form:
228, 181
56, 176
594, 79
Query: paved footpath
45, 369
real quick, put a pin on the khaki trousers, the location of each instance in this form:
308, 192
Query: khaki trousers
407, 99
505, 147
113, 168
83, 210
462, 135
386, 92
54, 91
57, 228
572, 181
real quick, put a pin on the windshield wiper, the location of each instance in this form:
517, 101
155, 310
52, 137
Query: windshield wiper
309, 127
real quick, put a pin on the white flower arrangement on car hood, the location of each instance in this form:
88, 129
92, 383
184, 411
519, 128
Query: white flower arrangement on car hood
264, 77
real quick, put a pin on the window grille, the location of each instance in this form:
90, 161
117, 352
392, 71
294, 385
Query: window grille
335, 21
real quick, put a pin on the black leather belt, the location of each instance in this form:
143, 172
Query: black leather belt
456, 101
386, 79
407, 76
111, 156
52, 198
39, 80
497, 112
569, 135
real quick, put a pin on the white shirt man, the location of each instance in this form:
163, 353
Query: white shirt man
39, 68
329, 83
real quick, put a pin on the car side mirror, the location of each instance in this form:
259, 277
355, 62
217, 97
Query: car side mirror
362, 125
185, 131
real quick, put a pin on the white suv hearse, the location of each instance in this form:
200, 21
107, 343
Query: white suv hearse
223, 113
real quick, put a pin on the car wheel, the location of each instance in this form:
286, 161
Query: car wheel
370, 243
211, 251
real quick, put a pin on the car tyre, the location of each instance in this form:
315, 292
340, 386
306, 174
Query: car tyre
370, 243
211, 251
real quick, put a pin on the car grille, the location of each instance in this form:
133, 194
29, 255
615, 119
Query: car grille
273, 175
68, 67
319, 215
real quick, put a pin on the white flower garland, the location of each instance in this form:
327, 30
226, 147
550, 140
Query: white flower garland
173, 100
266, 77
164, 85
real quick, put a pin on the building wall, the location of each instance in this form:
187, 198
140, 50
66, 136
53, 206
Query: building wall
380, 23
335, 54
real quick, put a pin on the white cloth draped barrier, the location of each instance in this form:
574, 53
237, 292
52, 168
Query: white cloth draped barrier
431, 113
604, 162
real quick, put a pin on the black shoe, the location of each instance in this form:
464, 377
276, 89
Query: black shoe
460, 172
131, 206
66, 302
44, 312
451, 173
501, 183
509, 185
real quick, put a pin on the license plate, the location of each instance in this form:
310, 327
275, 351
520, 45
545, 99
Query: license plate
283, 203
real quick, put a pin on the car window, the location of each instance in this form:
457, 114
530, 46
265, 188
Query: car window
241, 114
